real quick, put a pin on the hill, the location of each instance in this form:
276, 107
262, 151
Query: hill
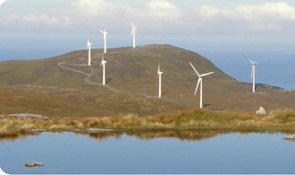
64, 86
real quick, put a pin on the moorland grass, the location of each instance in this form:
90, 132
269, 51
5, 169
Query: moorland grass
279, 121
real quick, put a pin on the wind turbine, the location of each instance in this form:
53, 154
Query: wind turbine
160, 81
200, 83
2, 1
89, 52
103, 64
104, 40
133, 34
253, 73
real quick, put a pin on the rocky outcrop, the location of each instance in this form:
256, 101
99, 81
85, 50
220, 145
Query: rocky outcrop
24, 115
261, 111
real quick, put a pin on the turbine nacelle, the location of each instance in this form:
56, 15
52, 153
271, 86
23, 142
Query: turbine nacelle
159, 72
103, 62
253, 62
89, 44
133, 30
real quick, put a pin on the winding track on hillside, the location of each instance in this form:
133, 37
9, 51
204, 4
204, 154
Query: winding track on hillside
87, 80
88, 76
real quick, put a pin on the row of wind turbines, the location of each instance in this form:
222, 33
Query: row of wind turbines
103, 62
159, 72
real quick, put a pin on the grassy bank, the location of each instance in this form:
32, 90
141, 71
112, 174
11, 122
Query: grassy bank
280, 121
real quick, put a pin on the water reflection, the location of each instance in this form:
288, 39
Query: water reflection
184, 135
188, 135
16, 137
161, 152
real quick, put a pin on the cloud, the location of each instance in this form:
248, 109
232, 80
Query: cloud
280, 10
260, 19
155, 16
100, 8
162, 10
206, 11
1, 2
42, 22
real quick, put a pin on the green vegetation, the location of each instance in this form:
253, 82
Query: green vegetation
198, 120
65, 86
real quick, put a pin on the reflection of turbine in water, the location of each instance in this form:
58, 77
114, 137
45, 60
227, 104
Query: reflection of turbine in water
2, 1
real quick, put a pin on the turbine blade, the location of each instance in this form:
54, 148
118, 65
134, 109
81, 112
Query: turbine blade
203, 75
197, 87
261, 60
159, 68
195, 69
132, 33
251, 61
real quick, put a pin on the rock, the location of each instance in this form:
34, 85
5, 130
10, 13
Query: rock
37, 116
290, 137
261, 111
33, 164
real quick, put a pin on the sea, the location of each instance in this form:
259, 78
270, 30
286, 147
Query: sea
277, 68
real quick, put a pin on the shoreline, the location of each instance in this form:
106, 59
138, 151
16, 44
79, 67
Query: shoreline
198, 120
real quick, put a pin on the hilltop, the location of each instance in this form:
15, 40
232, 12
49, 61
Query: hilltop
64, 86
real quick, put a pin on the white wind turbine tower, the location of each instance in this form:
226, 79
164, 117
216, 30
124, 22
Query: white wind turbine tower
160, 81
133, 34
104, 40
253, 73
200, 83
103, 64
89, 52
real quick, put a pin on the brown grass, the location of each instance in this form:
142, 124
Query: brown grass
198, 120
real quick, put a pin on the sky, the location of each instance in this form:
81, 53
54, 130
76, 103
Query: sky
221, 30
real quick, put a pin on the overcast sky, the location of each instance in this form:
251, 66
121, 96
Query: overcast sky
157, 21
221, 30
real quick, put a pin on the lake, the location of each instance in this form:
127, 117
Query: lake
149, 153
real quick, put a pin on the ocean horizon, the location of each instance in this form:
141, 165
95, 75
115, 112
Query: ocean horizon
277, 70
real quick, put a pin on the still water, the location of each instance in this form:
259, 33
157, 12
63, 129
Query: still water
124, 153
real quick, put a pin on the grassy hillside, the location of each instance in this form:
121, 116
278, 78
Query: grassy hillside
65, 86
